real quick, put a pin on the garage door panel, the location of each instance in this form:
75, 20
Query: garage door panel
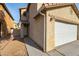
64, 33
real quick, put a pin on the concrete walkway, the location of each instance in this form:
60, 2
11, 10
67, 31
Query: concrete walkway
69, 49
34, 50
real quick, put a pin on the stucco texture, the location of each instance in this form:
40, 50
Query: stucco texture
36, 29
65, 13
7, 21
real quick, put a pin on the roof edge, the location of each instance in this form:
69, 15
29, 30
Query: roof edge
3, 4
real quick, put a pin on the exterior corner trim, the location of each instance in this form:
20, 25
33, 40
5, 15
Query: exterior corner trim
44, 47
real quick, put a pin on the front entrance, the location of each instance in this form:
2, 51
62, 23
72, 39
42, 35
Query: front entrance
65, 33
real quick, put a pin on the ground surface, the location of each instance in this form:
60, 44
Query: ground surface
22, 47
69, 49
16, 47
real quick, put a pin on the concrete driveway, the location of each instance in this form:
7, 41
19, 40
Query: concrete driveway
69, 49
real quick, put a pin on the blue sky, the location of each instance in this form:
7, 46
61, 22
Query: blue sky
77, 5
14, 9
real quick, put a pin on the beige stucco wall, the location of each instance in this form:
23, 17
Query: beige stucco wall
39, 31
49, 33
67, 13
32, 11
22, 16
77, 32
23, 10
36, 29
23, 30
39, 5
7, 20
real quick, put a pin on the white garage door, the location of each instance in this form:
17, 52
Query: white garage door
65, 33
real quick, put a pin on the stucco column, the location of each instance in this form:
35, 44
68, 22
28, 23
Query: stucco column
50, 38
77, 32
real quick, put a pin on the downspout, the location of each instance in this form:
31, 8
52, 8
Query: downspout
44, 47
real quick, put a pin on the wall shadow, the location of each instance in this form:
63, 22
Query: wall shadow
26, 40
4, 30
32, 43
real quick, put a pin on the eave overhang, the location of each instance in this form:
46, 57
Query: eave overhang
44, 8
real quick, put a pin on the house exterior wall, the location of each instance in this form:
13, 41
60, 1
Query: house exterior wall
23, 10
39, 31
23, 19
32, 11
22, 16
36, 29
39, 5
66, 13
23, 31
50, 42
7, 22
